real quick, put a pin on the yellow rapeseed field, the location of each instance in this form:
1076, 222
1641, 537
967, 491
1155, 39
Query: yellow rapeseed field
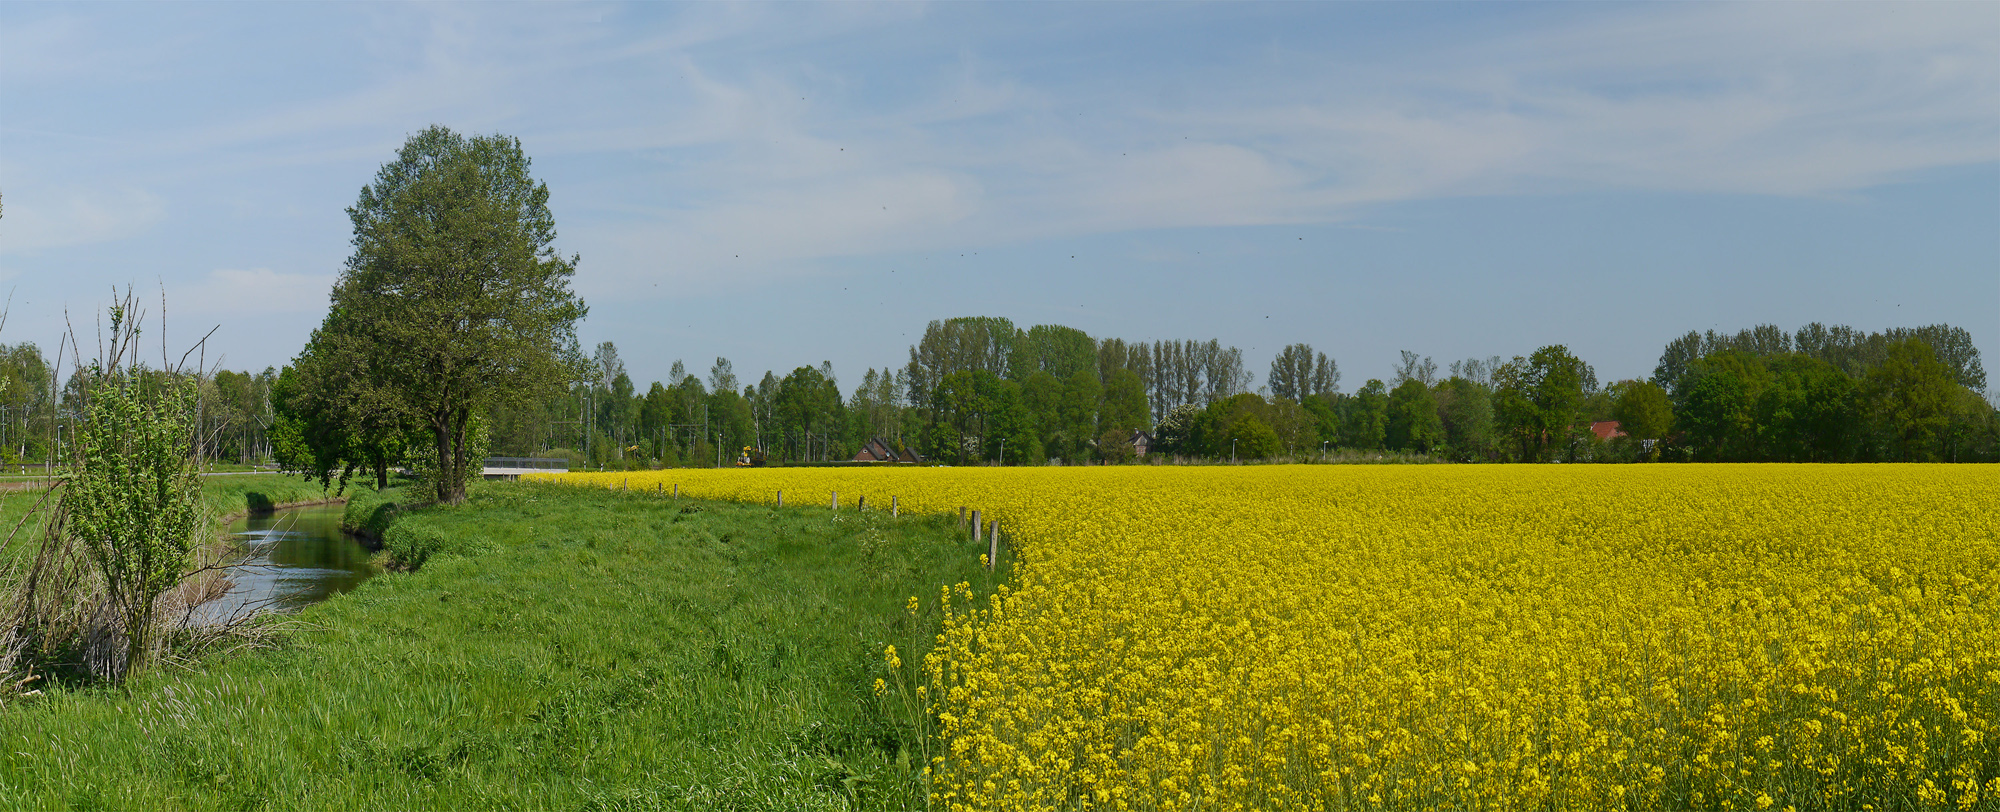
1459, 637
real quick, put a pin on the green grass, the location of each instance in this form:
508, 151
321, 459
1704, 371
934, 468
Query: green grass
369, 511
222, 496
14, 506
599, 651
234, 495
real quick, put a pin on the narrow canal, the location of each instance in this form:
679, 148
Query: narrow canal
297, 556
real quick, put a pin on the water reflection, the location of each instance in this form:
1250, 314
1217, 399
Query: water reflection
298, 556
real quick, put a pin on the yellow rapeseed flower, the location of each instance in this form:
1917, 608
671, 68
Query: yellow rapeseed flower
1643, 637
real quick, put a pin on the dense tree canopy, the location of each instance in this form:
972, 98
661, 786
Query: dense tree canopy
1299, 372
1414, 422
1540, 400
1054, 393
454, 300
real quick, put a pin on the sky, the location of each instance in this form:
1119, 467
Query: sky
785, 184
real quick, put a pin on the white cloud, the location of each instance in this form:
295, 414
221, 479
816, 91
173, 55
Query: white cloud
1191, 185
236, 293
719, 134
765, 235
40, 217
1786, 100
65, 46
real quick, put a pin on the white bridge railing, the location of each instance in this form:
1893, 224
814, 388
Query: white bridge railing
513, 467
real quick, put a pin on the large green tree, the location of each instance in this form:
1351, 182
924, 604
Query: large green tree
1299, 372
809, 412
1364, 420
1540, 400
1807, 411
1646, 414
1414, 423
1238, 427
1915, 398
332, 416
977, 413
1125, 402
454, 299
1716, 405
1061, 351
1465, 407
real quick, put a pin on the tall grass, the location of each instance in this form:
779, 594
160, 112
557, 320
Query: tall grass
606, 651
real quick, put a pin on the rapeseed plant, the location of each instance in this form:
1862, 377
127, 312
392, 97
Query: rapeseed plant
1450, 638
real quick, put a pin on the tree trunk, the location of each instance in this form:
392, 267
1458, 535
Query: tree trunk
444, 463
452, 464
138, 636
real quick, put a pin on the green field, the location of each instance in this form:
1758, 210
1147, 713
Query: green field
583, 649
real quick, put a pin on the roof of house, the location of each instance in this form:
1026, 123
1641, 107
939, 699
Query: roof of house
875, 451
1606, 429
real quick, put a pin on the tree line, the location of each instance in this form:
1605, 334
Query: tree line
981, 390
232, 417
973, 389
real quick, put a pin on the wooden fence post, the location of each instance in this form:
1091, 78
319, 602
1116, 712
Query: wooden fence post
975, 526
861, 502
627, 487
677, 490
961, 517
835, 504
993, 548
781, 499
892, 507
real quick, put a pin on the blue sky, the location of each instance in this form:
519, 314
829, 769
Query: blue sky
787, 184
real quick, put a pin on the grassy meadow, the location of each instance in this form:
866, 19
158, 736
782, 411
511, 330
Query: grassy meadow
579, 649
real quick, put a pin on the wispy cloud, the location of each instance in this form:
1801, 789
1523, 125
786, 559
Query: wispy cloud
40, 218
1762, 100
732, 144
237, 292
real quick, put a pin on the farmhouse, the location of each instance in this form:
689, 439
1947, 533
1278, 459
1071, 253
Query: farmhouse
877, 451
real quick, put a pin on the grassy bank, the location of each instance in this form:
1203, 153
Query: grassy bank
222, 496
595, 650
235, 495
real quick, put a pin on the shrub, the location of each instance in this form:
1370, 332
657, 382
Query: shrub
368, 514
410, 546
131, 492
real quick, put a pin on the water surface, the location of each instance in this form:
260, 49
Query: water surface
298, 556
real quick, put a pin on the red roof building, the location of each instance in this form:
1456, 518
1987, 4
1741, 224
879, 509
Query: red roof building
1606, 429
